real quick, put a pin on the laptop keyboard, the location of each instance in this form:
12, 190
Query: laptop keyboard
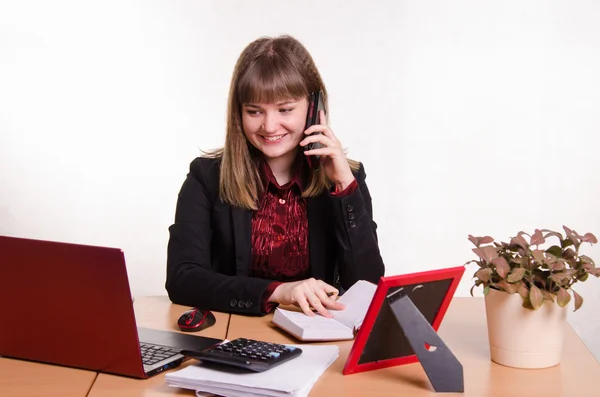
151, 354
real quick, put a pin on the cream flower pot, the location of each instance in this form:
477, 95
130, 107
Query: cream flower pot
524, 338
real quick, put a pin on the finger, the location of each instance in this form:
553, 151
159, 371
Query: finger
303, 303
326, 151
329, 301
332, 293
322, 117
330, 289
325, 130
326, 141
316, 303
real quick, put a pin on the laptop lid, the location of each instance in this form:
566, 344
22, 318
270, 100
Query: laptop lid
69, 304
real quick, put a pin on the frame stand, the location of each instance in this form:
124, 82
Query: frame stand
444, 371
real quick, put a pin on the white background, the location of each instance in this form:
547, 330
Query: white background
471, 117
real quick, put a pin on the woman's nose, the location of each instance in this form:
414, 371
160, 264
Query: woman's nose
271, 123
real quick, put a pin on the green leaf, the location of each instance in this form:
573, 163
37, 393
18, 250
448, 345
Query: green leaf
562, 297
569, 254
538, 255
488, 253
559, 277
520, 241
516, 275
527, 263
537, 238
547, 295
486, 290
571, 234
522, 290
559, 264
484, 274
588, 267
527, 304
589, 238
578, 300
555, 250
566, 242
586, 259
477, 241
517, 261
550, 233
502, 267
535, 297
505, 286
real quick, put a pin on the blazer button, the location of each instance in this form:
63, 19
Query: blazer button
352, 224
248, 304
349, 207
351, 215
241, 304
232, 303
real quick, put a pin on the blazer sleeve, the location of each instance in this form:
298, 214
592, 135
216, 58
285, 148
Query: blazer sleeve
191, 280
356, 235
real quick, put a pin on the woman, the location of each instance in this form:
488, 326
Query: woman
255, 226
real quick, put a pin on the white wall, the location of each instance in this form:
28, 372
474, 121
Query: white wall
471, 117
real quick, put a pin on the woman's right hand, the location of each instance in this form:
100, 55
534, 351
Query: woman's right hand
306, 293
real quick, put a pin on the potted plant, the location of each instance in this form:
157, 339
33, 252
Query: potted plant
527, 284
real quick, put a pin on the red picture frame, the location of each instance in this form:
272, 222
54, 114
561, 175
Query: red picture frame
438, 288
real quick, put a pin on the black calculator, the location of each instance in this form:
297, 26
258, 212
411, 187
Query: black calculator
257, 356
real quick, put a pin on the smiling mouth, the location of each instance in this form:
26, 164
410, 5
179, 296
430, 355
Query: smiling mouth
274, 138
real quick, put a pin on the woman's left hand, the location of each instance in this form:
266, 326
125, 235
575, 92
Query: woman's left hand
333, 159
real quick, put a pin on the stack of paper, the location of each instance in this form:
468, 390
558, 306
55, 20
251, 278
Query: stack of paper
292, 378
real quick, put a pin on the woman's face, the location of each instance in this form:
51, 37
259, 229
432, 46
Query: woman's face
275, 129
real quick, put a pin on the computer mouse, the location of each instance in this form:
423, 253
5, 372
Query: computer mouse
196, 320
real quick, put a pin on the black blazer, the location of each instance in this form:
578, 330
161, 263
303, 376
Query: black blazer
209, 251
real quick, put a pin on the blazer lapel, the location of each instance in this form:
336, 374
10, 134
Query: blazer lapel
317, 237
242, 234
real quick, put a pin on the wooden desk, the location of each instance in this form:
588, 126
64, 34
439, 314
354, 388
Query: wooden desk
159, 313
19, 378
464, 330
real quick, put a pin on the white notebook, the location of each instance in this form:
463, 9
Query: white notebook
344, 324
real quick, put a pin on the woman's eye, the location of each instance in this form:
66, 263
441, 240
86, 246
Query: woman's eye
252, 112
286, 110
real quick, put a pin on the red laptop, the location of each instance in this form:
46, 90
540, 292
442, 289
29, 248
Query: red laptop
71, 305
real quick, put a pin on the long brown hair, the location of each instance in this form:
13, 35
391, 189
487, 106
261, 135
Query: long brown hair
270, 69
